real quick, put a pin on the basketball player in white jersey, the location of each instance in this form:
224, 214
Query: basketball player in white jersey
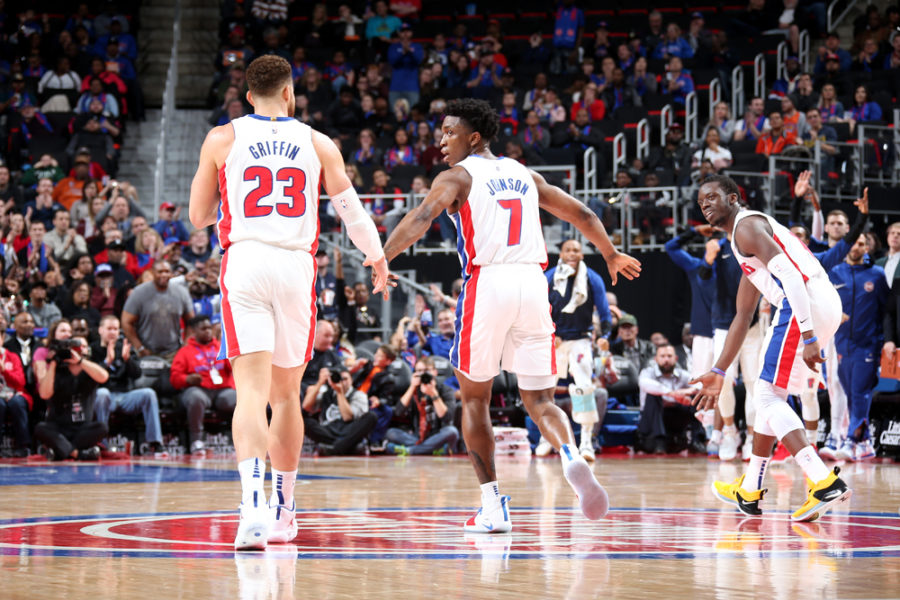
258, 180
777, 264
503, 313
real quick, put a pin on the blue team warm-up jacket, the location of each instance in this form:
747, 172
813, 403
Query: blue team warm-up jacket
578, 324
703, 291
863, 290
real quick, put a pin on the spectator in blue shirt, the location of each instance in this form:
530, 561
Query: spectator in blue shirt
832, 46
127, 43
380, 28
677, 83
168, 225
673, 45
485, 76
438, 343
567, 32
405, 58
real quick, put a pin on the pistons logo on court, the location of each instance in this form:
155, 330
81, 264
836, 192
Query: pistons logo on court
868, 286
437, 534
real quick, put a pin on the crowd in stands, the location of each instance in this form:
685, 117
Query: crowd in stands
83, 261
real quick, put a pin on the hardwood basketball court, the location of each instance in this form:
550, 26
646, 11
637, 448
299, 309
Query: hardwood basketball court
385, 527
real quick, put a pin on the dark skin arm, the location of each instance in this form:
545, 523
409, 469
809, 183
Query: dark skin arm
747, 298
753, 237
447, 187
560, 204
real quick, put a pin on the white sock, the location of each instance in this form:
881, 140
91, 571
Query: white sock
729, 430
812, 436
253, 474
749, 439
490, 496
756, 472
716, 436
587, 434
283, 488
811, 464
569, 453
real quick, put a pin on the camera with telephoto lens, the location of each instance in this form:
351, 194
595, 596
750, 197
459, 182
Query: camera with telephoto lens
62, 349
336, 376
426, 378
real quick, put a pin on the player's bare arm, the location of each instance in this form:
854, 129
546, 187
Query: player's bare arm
447, 187
359, 224
753, 237
745, 305
562, 205
204, 204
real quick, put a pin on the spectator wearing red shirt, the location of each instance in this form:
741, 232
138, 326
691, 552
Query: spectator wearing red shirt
595, 106
777, 138
15, 402
204, 380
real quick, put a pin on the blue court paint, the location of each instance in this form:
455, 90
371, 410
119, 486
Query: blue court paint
62, 473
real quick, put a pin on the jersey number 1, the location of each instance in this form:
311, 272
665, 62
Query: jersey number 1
515, 220
296, 179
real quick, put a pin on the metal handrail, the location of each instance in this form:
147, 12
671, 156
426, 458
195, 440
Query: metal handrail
690, 117
759, 78
803, 55
781, 55
831, 22
643, 138
715, 95
666, 118
623, 197
619, 152
590, 167
737, 91
167, 113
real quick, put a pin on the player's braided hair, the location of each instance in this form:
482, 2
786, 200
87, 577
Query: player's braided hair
478, 114
726, 183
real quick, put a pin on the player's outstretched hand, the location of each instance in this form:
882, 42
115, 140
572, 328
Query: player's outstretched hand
802, 184
813, 355
707, 396
863, 203
628, 266
382, 279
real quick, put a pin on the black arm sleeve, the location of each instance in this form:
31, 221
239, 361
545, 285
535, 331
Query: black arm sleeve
856, 229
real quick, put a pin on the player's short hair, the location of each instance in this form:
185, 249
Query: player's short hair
726, 183
478, 115
839, 213
894, 225
388, 351
197, 320
268, 74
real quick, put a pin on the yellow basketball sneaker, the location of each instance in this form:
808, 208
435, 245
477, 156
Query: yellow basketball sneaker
733, 494
822, 496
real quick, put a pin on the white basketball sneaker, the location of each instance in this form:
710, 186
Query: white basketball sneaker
495, 521
253, 530
729, 446
284, 525
592, 497
543, 448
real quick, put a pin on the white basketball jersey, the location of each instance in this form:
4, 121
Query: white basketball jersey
270, 185
499, 223
796, 251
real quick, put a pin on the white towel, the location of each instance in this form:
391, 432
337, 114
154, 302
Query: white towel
579, 290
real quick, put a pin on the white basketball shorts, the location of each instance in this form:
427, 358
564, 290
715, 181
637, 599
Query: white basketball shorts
503, 319
268, 302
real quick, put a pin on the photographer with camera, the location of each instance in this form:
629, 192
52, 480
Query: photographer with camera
119, 393
68, 382
429, 406
335, 415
